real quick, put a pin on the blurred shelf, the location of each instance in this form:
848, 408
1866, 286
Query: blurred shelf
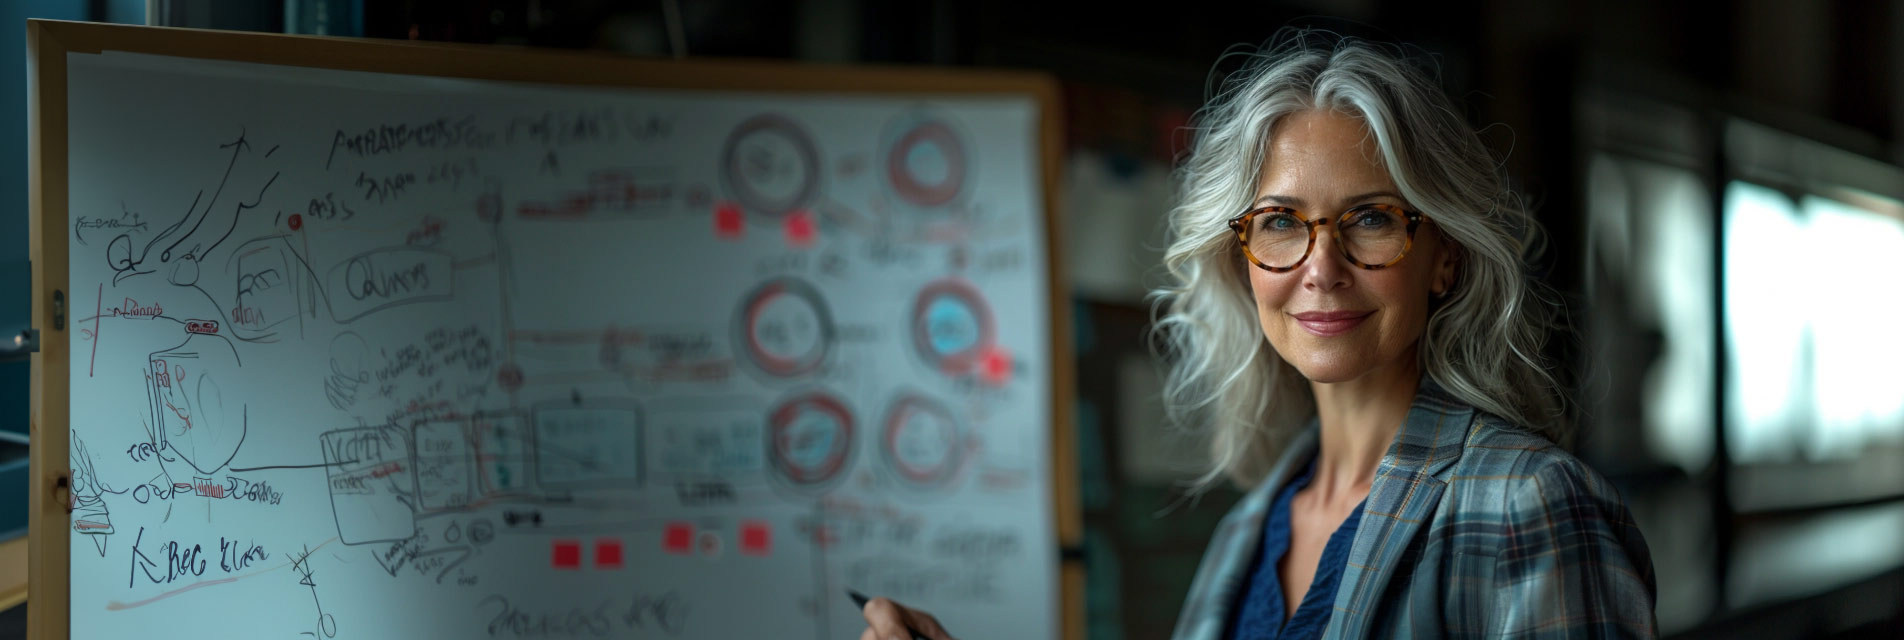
1869, 608
1784, 559
1875, 476
1758, 516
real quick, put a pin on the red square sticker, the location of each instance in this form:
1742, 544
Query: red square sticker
799, 228
565, 554
728, 222
608, 553
756, 538
679, 538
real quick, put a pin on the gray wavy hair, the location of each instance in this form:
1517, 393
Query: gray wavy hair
1483, 342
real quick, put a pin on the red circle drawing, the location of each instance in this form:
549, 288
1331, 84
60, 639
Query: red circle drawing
296, 221
937, 468
785, 364
809, 438
908, 184
738, 165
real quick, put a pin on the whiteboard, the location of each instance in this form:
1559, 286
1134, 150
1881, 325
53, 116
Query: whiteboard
360, 355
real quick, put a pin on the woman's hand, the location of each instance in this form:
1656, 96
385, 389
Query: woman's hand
888, 620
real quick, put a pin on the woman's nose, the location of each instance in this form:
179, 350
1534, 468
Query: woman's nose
1327, 268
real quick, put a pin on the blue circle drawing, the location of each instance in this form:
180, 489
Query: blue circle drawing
951, 325
811, 433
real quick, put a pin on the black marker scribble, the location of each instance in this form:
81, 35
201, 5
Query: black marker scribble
89, 507
128, 219
120, 255
326, 625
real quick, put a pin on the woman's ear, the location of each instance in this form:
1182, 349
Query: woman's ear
1447, 265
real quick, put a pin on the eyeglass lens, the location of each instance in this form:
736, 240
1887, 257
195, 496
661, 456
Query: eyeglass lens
1370, 236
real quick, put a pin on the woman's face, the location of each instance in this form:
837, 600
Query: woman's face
1333, 321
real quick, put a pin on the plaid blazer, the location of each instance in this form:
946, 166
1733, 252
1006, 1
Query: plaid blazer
1473, 529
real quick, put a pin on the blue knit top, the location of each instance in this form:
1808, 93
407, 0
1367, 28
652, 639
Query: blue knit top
1261, 613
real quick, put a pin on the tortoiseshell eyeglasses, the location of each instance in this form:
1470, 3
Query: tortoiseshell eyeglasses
1372, 236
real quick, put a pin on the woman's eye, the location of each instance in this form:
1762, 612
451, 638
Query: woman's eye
1370, 218
1280, 222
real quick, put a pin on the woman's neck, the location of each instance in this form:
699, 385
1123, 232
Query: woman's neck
1359, 420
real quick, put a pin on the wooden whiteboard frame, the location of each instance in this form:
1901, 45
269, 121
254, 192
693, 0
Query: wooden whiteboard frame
49, 42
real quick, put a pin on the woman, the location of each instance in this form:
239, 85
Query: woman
1349, 312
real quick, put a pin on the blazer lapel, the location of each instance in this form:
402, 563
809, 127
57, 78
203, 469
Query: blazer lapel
1403, 496
1213, 594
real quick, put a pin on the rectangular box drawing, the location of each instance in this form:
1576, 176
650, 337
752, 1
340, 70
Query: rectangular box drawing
267, 284
588, 447
503, 464
384, 278
364, 468
443, 465
712, 443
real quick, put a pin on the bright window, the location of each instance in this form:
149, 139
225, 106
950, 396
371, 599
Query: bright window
1811, 326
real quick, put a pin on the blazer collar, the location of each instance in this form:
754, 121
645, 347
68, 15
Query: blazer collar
1233, 545
1404, 492
1433, 434
1408, 484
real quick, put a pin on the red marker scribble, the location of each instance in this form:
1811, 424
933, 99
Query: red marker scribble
163, 380
246, 316
416, 407
565, 554
542, 210
678, 539
427, 235
611, 191
995, 366
209, 489
728, 222
509, 375
824, 537
799, 229
607, 553
756, 538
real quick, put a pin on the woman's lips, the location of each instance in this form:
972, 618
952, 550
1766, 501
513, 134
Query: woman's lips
1330, 323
